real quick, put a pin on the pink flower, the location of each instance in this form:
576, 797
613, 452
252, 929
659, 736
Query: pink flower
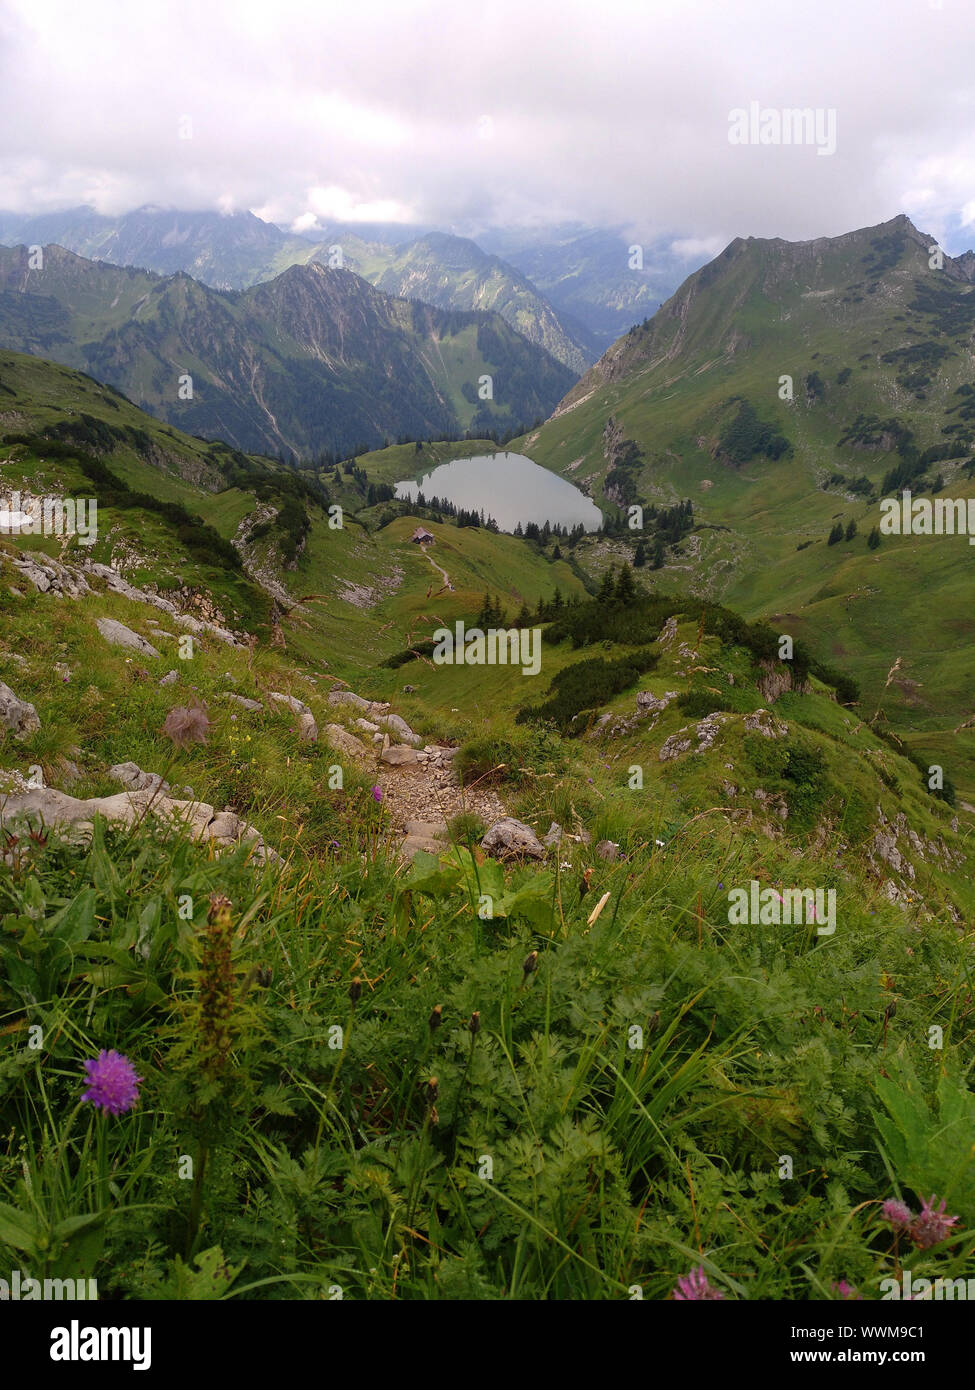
932, 1225
112, 1082
694, 1287
377, 793
845, 1290
897, 1214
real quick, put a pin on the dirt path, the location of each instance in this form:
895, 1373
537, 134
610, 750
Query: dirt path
440, 570
420, 798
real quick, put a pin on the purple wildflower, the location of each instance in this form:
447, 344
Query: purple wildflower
112, 1082
932, 1225
897, 1214
694, 1287
377, 793
845, 1290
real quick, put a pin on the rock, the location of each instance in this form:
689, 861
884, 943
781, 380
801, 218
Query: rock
554, 836
343, 742
348, 697
57, 809
19, 716
762, 722
608, 850
50, 576
774, 802
409, 689
394, 724
648, 703
667, 633
707, 731
254, 706
70, 771
367, 726
131, 776
170, 678
512, 839
674, 745
397, 755
225, 826
118, 635
307, 728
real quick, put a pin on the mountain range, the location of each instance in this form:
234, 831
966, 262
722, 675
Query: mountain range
316, 360
570, 289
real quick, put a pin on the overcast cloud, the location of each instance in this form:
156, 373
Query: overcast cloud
516, 111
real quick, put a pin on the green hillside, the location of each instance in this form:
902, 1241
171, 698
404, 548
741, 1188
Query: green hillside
877, 344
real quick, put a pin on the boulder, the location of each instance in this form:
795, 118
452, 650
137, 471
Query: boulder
131, 776
76, 816
343, 742
118, 635
17, 715
170, 678
512, 839
608, 850
348, 697
398, 755
393, 724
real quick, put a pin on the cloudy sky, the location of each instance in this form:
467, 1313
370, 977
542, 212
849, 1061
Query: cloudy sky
462, 113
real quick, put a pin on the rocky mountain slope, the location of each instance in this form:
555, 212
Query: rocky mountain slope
235, 251
315, 360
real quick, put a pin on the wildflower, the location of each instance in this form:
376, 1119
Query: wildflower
932, 1225
474, 1024
897, 1215
694, 1287
436, 1018
355, 990
112, 1082
216, 987
377, 793
186, 724
845, 1290
530, 963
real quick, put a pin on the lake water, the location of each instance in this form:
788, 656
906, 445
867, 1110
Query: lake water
508, 487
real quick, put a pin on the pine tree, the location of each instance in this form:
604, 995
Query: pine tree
873, 540
640, 556
657, 563
836, 534
607, 589
851, 530
625, 587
